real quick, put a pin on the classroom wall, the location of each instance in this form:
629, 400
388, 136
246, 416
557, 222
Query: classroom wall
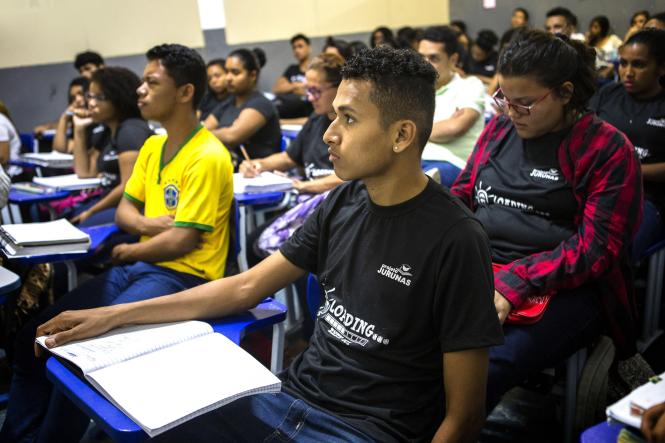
498, 20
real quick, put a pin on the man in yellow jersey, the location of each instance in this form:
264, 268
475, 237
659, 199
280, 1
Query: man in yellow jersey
178, 199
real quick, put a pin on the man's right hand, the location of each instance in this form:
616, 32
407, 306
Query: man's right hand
75, 325
152, 226
250, 168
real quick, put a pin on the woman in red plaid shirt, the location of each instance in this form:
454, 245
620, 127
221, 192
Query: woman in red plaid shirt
559, 194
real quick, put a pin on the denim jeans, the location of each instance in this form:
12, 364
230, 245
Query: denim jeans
448, 171
265, 418
35, 412
572, 320
650, 230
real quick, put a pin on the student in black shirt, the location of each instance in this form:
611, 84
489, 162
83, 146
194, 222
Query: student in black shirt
216, 92
308, 151
246, 117
400, 346
291, 100
62, 140
636, 106
112, 101
482, 62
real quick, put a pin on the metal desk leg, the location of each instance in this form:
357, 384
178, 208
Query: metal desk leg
277, 353
71, 275
242, 233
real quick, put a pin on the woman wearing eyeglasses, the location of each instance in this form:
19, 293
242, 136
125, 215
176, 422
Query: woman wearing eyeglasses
559, 194
112, 101
247, 117
308, 151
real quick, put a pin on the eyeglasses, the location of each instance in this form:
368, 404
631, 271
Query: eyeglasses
315, 93
503, 103
97, 97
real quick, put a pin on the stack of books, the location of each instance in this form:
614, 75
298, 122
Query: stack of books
69, 182
35, 239
52, 159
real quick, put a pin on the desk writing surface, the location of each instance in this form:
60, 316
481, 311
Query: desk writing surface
27, 198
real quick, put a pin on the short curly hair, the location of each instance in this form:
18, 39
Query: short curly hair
402, 86
86, 57
119, 85
184, 65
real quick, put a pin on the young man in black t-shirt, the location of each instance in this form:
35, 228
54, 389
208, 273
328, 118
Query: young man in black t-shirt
291, 100
400, 347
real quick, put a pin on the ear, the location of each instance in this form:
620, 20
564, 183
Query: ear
405, 133
454, 59
565, 92
186, 93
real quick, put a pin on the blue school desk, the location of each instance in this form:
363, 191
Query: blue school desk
112, 420
12, 213
601, 433
8, 282
98, 235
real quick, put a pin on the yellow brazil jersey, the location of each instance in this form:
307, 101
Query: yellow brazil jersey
196, 187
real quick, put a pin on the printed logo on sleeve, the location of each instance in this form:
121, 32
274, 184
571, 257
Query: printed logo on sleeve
399, 274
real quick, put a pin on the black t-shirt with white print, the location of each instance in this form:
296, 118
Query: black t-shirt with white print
309, 150
403, 284
522, 198
643, 122
293, 74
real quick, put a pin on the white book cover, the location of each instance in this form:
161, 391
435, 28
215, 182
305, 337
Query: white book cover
628, 410
68, 182
163, 375
264, 182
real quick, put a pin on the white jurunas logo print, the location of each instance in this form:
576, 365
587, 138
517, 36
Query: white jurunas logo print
345, 326
549, 174
399, 274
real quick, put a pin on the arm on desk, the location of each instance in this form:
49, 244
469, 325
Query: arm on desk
465, 380
275, 162
126, 160
248, 122
217, 298
318, 185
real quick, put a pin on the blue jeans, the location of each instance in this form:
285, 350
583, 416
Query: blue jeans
265, 418
650, 230
35, 412
572, 320
448, 171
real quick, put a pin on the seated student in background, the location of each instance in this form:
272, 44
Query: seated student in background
605, 44
637, 22
560, 20
482, 62
656, 21
636, 106
291, 98
337, 47
460, 103
10, 143
63, 140
216, 92
308, 151
413, 363
559, 193
112, 153
382, 36
85, 63
519, 18
182, 183
408, 37
247, 117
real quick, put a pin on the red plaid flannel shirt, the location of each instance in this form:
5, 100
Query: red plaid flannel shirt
600, 164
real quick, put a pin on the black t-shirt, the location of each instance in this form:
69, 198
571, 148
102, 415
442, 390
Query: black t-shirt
643, 122
293, 74
308, 149
267, 139
403, 284
130, 136
523, 200
208, 104
485, 68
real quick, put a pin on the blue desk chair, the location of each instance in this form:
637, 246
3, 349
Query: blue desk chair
28, 142
111, 419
